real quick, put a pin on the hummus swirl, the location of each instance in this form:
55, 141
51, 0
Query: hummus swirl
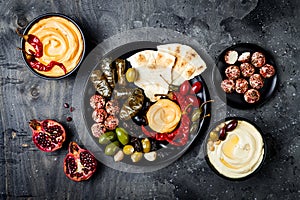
163, 116
240, 153
62, 42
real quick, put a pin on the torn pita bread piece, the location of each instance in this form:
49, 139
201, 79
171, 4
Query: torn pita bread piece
154, 72
188, 62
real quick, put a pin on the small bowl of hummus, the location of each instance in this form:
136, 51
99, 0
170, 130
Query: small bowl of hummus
235, 148
53, 46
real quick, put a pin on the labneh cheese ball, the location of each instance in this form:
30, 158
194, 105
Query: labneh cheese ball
267, 71
233, 72
231, 57
244, 57
228, 85
252, 96
258, 59
241, 85
247, 69
256, 81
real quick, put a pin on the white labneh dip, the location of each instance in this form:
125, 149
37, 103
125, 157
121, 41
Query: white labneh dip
240, 153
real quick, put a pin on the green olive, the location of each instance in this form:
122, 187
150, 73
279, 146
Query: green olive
196, 115
122, 135
107, 137
194, 128
213, 136
131, 75
136, 156
146, 145
128, 149
112, 148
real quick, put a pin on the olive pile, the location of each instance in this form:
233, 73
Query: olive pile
119, 143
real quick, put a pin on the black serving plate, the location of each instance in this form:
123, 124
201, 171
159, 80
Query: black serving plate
123, 45
204, 146
166, 152
237, 100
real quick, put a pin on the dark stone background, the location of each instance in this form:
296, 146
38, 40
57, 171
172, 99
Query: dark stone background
28, 173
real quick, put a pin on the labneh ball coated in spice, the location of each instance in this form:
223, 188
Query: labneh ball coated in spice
112, 107
252, 96
97, 101
258, 59
233, 72
228, 85
241, 85
231, 57
99, 115
111, 122
256, 81
98, 129
247, 69
267, 71
245, 57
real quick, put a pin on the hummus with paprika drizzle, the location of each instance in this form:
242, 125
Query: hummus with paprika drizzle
240, 154
62, 42
163, 116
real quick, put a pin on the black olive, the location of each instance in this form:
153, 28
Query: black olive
232, 125
146, 105
153, 145
137, 144
223, 133
140, 120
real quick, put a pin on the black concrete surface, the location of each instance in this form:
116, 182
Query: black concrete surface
27, 173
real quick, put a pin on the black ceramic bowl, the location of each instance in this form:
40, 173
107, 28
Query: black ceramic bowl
237, 146
237, 100
45, 16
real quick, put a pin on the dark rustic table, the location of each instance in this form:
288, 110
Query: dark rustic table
27, 173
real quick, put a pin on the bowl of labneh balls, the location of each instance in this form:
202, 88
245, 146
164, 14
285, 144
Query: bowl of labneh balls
53, 46
235, 148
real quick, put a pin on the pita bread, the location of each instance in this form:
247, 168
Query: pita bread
154, 72
188, 62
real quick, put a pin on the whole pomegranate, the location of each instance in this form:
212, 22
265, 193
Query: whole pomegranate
48, 135
79, 164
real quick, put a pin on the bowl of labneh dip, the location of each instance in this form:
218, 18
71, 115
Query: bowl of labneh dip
53, 46
235, 148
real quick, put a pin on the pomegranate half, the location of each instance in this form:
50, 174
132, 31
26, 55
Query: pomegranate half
79, 164
48, 135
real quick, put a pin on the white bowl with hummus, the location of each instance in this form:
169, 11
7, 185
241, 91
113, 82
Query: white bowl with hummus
62, 40
240, 154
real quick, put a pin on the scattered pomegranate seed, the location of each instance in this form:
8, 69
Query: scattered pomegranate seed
69, 119
72, 109
66, 105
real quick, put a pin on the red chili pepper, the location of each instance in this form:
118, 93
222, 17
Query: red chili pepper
182, 132
35, 64
35, 42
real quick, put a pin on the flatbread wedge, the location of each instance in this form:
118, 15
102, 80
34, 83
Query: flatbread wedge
188, 62
154, 72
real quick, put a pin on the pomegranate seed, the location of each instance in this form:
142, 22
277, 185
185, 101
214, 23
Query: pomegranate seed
72, 109
66, 105
69, 119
